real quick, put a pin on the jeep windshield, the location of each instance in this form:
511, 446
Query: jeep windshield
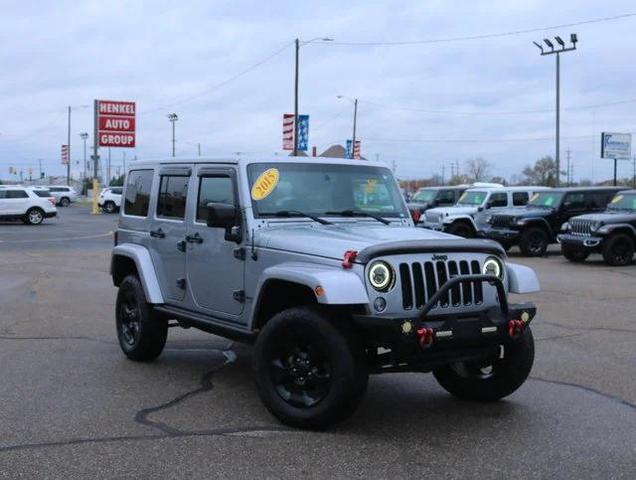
424, 195
472, 198
621, 201
545, 200
324, 190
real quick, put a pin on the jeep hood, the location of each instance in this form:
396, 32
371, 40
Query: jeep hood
452, 211
332, 241
524, 212
608, 217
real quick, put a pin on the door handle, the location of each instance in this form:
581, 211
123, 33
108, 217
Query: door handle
157, 233
196, 238
181, 245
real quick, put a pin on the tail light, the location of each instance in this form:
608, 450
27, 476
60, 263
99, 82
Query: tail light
52, 200
416, 215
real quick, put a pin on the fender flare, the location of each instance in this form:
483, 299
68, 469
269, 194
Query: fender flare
541, 222
340, 287
607, 230
447, 221
522, 279
145, 268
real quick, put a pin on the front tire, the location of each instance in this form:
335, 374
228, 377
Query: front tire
64, 202
490, 380
574, 254
461, 229
534, 242
141, 333
34, 216
309, 373
618, 250
110, 207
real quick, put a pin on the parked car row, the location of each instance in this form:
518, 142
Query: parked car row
29, 204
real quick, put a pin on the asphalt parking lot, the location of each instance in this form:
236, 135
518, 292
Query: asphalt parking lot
72, 406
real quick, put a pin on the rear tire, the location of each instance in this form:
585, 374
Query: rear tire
64, 202
110, 207
574, 254
34, 216
461, 229
489, 381
309, 373
618, 250
142, 334
534, 242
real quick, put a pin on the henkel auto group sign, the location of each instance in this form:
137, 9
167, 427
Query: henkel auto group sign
115, 122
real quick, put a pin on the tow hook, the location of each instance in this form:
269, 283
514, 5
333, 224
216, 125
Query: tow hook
515, 327
426, 336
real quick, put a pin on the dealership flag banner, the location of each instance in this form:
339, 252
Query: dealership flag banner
288, 132
115, 123
65, 158
356, 153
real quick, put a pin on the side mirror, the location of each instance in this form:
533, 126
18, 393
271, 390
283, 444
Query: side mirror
224, 215
488, 205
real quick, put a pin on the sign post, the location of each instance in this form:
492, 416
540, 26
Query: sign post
616, 146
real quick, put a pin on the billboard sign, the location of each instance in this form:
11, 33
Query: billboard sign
616, 145
115, 123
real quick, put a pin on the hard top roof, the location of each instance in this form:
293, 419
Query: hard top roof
588, 189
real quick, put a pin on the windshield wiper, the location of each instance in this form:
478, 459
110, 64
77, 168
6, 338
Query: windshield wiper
359, 213
297, 213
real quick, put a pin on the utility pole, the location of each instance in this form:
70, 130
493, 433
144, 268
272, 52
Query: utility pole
558, 52
355, 118
109, 177
569, 180
40, 167
199, 149
84, 137
443, 173
173, 117
95, 142
124, 158
68, 142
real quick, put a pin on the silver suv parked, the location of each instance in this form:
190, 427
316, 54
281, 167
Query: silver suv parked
317, 263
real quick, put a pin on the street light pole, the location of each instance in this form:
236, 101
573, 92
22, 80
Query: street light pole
68, 142
173, 117
84, 136
558, 52
355, 117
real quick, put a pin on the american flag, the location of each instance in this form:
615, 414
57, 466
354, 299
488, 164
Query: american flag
64, 154
356, 152
288, 131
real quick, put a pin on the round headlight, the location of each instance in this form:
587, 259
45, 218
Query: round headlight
493, 266
381, 276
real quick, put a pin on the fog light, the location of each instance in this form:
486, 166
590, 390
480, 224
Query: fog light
379, 304
407, 327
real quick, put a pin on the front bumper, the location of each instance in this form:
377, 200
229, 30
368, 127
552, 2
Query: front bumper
500, 234
50, 214
431, 340
580, 241
438, 227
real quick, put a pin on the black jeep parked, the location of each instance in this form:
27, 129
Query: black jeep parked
431, 197
536, 225
611, 233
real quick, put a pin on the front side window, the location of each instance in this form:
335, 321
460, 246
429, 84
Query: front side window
173, 192
498, 200
56, 189
546, 199
621, 201
472, 197
424, 195
17, 194
520, 198
137, 199
323, 189
217, 189
574, 201
446, 197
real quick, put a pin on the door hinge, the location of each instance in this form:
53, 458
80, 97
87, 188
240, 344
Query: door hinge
239, 295
239, 253
181, 283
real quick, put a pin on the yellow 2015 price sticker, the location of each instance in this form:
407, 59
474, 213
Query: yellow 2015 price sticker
265, 183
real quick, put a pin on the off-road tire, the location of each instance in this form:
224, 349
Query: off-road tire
64, 202
574, 254
461, 229
110, 207
508, 373
334, 349
534, 242
618, 250
150, 331
34, 216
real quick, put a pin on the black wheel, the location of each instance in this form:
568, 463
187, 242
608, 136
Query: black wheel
574, 254
110, 207
492, 379
141, 333
34, 216
64, 202
309, 372
505, 245
618, 250
461, 229
534, 242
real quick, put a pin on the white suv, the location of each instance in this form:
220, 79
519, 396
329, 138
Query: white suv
110, 199
63, 195
31, 205
460, 218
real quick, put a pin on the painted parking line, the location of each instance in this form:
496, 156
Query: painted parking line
62, 239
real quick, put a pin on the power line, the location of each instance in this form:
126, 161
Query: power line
465, 140
487, 35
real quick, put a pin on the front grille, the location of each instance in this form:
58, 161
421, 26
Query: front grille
433, 217
501, 221
420, 281
581, 227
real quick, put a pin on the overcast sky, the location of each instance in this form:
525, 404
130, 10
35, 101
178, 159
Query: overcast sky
421, 105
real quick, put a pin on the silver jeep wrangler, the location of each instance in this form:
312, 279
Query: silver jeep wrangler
317, 263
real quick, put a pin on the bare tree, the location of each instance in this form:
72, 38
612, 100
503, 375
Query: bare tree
478, 169
542, 173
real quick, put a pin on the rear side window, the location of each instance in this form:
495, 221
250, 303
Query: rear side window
599, 200
138, 187
498, 200
116, 191
56, 189
173, 192
520, 198
218, 189
446, 197
42, 193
